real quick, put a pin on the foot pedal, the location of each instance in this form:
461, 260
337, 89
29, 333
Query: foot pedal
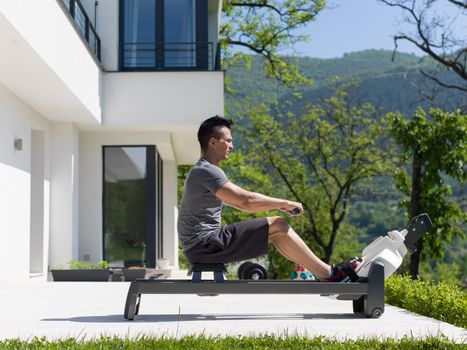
416, 228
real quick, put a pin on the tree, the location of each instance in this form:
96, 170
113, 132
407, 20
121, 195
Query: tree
437, 147
315, 158
433, 32
265, 27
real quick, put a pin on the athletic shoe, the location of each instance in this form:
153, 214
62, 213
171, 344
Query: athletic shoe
346, 271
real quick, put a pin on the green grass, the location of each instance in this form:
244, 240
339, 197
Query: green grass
232, 343
442, 301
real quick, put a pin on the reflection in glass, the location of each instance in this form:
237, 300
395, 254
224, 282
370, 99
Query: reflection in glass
125, 214
139, 33
179, 33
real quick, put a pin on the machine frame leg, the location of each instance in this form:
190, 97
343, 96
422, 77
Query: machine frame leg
132, 302
359, 305
374, 302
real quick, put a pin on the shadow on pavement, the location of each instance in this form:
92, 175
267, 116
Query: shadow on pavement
204, 317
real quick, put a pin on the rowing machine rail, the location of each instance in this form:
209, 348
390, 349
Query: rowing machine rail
367, 294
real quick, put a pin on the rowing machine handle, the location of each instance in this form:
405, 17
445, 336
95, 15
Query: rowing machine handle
295, 211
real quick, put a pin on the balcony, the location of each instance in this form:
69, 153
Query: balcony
175, 102
84, 26
150, 56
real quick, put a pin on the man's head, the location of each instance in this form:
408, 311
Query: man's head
214, 136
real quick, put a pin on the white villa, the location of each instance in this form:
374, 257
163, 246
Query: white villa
99, 103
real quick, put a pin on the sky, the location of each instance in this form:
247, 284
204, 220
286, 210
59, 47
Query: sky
352, 25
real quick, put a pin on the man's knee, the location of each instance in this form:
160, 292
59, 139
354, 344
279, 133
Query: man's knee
277, 226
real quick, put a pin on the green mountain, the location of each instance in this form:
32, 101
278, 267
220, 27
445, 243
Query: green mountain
386, 83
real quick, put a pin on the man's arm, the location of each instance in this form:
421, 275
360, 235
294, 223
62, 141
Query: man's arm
239, 198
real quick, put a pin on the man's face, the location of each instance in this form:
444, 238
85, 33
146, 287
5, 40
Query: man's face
224, 145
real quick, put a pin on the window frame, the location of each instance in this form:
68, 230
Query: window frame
201, 39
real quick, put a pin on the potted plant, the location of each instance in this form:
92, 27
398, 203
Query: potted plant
133, 272
82, 271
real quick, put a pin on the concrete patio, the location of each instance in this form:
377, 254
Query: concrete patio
90, 309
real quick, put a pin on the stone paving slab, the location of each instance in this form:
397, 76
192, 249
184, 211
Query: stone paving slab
90, 309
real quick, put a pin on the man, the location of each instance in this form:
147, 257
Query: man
203, 238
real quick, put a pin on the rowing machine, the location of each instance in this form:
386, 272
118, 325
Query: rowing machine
381, 258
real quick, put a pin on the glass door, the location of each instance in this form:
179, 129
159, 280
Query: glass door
129, 206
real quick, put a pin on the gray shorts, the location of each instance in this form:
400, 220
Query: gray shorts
233, 242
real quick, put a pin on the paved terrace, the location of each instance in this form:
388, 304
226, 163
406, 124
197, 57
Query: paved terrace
90, 309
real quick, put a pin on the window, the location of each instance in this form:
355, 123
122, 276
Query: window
132, 205
139, 33
179, 33
164, 34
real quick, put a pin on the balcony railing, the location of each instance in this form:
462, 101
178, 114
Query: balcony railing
81, 19
169, 56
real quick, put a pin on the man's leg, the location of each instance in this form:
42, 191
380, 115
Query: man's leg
290, 245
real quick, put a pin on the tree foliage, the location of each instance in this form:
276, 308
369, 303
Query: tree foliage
436, 145
438, 34
266, 27
315, 158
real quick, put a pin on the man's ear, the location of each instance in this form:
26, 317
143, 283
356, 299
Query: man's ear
212, 141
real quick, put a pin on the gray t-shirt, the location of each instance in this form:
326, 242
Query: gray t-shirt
200, 209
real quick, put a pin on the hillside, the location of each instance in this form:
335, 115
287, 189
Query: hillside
385, 83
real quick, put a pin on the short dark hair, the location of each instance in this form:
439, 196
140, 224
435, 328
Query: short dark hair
211, 127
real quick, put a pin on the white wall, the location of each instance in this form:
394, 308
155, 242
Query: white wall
90, 202
17, 120
107, 28
64, 193
39, 44
89, 8
162, 98
170, 212
36, 242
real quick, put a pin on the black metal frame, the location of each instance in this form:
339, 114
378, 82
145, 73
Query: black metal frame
151, 206
203, 54
367, 294
159, 205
